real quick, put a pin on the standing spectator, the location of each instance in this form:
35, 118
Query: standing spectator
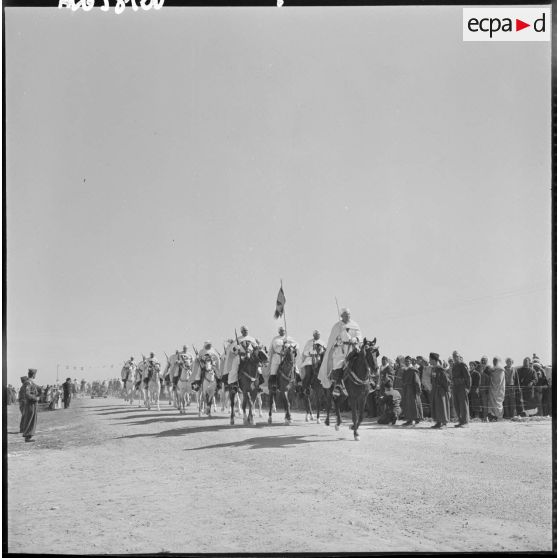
410, 402
540, 387
474, 394
21, 399
426, 387
527, 380
484, 387
461, 383
398, 370
386, 373
31, 396
497, 390
391, 404
67, 389
440, 393
453, 412
512, 401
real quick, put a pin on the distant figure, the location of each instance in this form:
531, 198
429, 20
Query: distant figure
391, 404
67, 388
31, 396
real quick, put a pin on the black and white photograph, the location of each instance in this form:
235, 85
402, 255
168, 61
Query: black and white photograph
279, 278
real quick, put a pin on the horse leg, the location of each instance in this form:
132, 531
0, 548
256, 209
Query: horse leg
328, 404
287, 407
231, 395
271, 402
337, 403
259, 404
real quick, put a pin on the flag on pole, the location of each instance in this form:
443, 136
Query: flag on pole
280, 304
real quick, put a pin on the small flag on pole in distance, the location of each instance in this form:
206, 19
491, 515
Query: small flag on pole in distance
280, 304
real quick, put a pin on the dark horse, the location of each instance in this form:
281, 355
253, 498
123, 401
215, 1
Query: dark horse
282, 381
249, 380
359, 378
311, 383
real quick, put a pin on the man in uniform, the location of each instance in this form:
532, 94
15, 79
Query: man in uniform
461, 383
246, 343
276, 351
344, 336
31, 397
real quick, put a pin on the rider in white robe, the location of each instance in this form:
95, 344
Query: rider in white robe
309, 351
131, 370
208, 349
276, 350
240, 349
345, 334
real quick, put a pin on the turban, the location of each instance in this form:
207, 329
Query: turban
316, 332
344, 311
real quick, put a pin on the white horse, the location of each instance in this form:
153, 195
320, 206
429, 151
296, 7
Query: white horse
139, 385
169, 375
224, 368
208, 385
183, 388
153, 383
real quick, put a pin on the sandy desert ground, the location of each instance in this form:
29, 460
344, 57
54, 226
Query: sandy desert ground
106, 478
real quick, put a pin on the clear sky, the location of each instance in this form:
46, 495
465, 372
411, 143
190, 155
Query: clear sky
166, 169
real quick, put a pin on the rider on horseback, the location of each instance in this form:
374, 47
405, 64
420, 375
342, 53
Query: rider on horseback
344, 337
242, 347
184, 359
276, 351
311, 350
201, 357
152, 364
131, 366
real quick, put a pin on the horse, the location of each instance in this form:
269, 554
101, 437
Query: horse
310, 383
183, 386
358, 376
170, 372
139, 383
208, 385
225, 388
249, 379
126, 374
282, 381
153, 384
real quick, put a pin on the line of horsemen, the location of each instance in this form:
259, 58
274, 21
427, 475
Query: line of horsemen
345, 367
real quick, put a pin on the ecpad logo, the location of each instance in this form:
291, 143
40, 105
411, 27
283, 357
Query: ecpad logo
506, 24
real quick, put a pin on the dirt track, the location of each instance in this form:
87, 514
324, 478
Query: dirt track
104, 478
